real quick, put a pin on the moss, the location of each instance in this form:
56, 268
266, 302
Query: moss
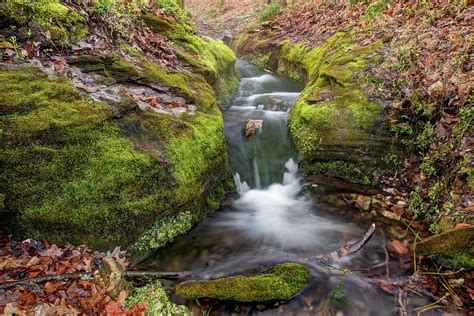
189, 85
209, 57
66, 167
197, 159
156, 299
445, 243
333, 94
64, 24
261, 60
282, 282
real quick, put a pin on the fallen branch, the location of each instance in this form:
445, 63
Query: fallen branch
158, 275
349, 248
60, 277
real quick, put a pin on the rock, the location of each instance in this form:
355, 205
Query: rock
436, 89
363, 202
281, 282
458, 240
251, 126
390, 215
395, 246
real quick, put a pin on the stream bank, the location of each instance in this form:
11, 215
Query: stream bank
112, 133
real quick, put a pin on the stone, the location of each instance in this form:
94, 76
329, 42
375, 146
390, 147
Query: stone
395, 246
281, 282
251, 126
363, 202
390, 215
435, 89
458, 240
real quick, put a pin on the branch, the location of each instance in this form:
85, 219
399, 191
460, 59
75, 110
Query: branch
158, 275
349, 248
60, 277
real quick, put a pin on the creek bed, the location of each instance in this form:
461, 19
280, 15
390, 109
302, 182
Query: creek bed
276, 214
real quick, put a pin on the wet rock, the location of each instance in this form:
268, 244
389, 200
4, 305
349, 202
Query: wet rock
396, 247
363, 202
390, 215
251, 126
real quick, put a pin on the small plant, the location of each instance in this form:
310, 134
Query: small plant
13, 41
269, 12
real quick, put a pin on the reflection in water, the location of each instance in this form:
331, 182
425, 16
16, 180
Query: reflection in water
272, 217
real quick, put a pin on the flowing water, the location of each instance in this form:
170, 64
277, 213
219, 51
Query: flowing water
274, 215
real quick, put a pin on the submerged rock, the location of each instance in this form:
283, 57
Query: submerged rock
251, 127
282, 282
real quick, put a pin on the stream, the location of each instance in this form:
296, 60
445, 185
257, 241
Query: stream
276, 213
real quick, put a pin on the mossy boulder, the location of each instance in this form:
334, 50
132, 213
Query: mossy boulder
281, 282
51, 23
209, 57
454, 247
70, 172
338, 130
157, 301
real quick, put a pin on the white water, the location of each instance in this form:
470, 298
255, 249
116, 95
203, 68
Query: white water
278, 214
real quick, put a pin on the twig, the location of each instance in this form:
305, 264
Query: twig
60, 277
350, 248
424, 308
158, 275
401, 298
387, 256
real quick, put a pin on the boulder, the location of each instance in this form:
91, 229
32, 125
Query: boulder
281, 282
456, 246
251, 126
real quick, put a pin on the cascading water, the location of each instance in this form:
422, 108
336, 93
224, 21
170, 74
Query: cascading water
273, 217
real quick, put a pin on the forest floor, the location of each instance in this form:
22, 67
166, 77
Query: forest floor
216, 20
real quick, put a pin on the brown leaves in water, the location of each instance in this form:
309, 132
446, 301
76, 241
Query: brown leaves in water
31, 259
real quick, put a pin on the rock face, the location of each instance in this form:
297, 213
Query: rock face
336, 128
251, 127
113, 147
281, 283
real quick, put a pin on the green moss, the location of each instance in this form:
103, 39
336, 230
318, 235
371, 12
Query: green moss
333, 115
282, 282
261, 60
64, 24
269, 12
209, 57
156, 299
455, 240
66, 167
189, 85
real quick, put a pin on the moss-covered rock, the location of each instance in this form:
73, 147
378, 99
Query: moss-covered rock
62, 24
79, 170
454, 247
282, 282
336, 128
157, 301
71, 173
208, 57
